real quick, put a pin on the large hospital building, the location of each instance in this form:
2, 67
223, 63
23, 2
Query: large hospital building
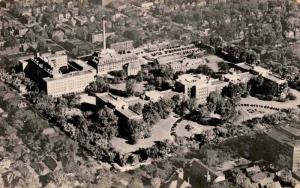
58, 75
108, 60
198, 86
286, 141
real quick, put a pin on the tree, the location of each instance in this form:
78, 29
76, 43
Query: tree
223, 67
98, 86
72, 100
150, 115
135, 183
234, 91
80, 122
223, 106
11, 42
137, 130
106, 123
166, 72
130, 85
176, 100
133, 34
198, 114
41, 45
213, 100
216, 41
138, 108
252, 58
30, 36
186, 107
227, 111
204, 69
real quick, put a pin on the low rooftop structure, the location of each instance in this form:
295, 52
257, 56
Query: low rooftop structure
174, 51
206, 176
236, 78
119, 104
265, 73
112, 101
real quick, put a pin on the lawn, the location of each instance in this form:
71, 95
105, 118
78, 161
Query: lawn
213, 62
139, 87
181, 131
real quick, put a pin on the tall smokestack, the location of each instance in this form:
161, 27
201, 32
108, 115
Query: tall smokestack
104, 33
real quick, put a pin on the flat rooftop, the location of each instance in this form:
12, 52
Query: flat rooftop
283, 138
291, 130
244, 66
274, 78
191, 78
129, 114
71, 74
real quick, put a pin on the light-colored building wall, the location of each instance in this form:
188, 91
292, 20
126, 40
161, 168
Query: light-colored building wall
116, 62
56, 60
199, 86
71, 83
296, 159
45, 69
286, 141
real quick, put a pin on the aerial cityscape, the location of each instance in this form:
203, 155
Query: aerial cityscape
149, 93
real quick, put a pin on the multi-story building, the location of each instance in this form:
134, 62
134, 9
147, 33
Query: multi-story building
73, 82
98, 37
286, 140
271, 81
132, 69
186, 64
198, 86
122, 47
109, 60
57, 75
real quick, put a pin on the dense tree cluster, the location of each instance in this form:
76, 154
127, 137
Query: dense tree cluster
138, 129
260, 22
158, 76
259, 87
235, 91
205, 70
224, 106
160, 150
98, 86
153, 111
223, 67
130, 86
138, 108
